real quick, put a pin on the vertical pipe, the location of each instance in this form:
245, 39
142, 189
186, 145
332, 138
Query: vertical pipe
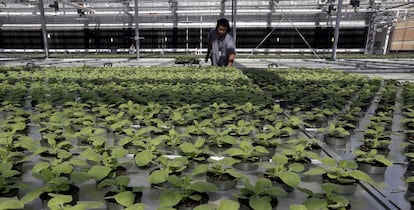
201, 34
387, 39
186, 35
64, 9
136, 29
222, 8
44, 31
336, 35
234, 17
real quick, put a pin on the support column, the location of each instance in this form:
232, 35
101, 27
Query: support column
387, 40
136, 29
336, 35
372, 33
44, 30
234, 19
86, 38
174, 8
269, 15
186, 35
201, 34
269, 24
222, 8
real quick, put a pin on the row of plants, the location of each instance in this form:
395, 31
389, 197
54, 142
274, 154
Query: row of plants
319, 97
323, 89
408, 125
117, 85
371, 156
103, 165
377, 135
187, 60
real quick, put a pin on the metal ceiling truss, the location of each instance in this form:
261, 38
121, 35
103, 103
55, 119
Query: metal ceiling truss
309, 13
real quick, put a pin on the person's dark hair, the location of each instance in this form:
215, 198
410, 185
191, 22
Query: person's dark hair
223, 22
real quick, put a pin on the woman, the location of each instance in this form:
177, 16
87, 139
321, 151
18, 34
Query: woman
221, 49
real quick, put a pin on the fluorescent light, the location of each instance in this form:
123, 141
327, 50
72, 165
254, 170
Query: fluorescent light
65, 25
153, 12
204, 11
15, 13
21, 25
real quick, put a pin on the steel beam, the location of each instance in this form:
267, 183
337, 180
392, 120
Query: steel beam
336, 35
44, 30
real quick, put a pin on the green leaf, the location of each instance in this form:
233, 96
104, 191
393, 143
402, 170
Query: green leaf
158, 176
63, 168
125, 198
118, 152
79, 176
229, 161
99, 172
187, 147
315, 171
228, 205
205, 207
259, 203
328, 161
77, 162
105, 182
124, 141
235, 174
349, 164
297, 207
58, 200
306, 191
289, 178
39, 167
280, 159
234, 152
201, 186
83, 205
170, 198
261, 149
200, 169
296, 167
383, 160
195, 197
340, 201
62, 153
10, 203
137, 206
199, 143
166, 208
229, 140
122, 180
261, 184
30, 196
143, 158
174, 180
410, 179
209, 131
90, 155
359, 175
275, 191
315, 203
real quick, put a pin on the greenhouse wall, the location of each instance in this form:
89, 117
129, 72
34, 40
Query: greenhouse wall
179, 38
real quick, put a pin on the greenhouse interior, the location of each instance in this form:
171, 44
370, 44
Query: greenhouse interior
206, 104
